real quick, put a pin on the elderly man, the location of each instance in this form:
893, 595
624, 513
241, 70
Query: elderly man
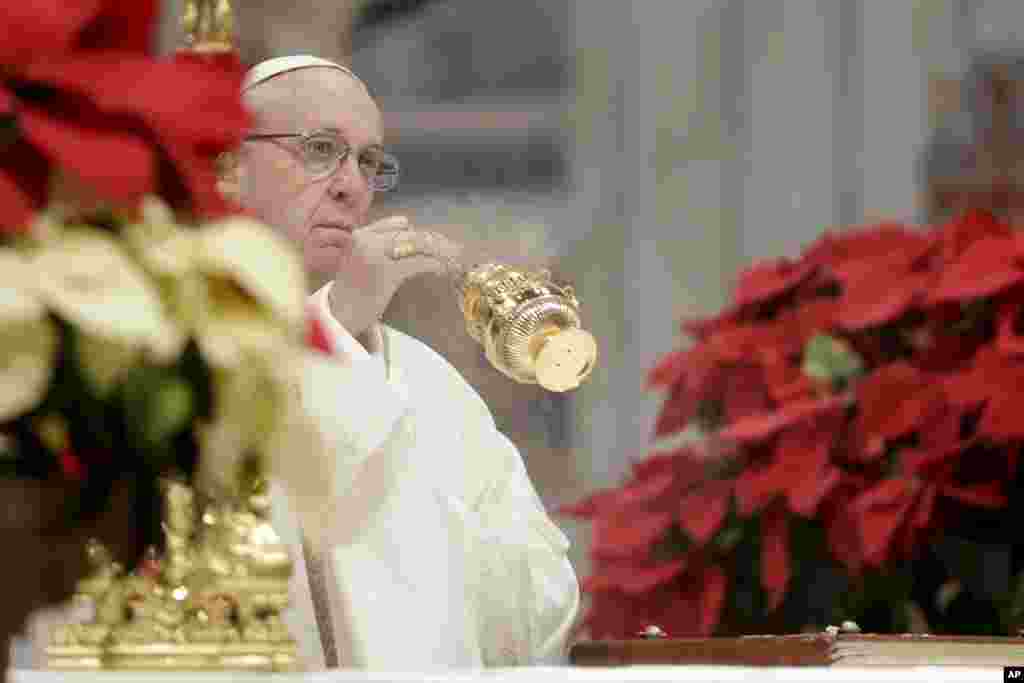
442, 554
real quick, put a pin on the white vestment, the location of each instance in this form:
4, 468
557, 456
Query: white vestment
440, 553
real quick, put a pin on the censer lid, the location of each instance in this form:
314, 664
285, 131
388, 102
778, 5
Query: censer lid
565, 359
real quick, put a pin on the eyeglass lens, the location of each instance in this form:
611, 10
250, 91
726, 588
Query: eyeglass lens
323, 152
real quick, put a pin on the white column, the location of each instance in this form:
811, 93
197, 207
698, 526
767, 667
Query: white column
789, 194
895, 106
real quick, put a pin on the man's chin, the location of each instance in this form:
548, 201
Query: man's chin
322, 260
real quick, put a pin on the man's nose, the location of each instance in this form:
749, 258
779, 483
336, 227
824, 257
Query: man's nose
348, 182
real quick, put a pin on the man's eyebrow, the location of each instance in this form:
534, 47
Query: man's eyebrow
337, 131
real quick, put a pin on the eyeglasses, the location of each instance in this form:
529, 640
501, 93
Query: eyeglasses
324, 151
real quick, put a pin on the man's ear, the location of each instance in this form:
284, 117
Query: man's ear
229, 175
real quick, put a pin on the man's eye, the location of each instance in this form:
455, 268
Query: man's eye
371, 163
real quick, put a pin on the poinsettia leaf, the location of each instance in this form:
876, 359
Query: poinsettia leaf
632, 579
24, 182
590, 506
757, 486
965, 229
712, 599
767, 279
922, 517
624, 535
129, 169
805, 495
1009, 318
882, 513
41, 28
128, 25
775, 565
1000, 419
677, 412
878, 298
895, 400
669, 369
763, 426
987, 494
986, 267
702, 512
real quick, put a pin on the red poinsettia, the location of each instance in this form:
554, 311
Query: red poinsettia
79, 92
868, 388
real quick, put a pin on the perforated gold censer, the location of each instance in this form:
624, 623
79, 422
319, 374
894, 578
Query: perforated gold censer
528, 324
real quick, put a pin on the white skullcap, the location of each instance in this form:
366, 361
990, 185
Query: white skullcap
276, 66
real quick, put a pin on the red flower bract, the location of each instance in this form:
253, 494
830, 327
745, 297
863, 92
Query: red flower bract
869, 389
79, 95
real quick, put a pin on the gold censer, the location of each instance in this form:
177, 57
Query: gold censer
528, 324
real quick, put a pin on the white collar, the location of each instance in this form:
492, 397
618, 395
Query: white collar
344, 341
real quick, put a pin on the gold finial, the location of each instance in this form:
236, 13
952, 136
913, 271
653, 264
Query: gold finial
209, 25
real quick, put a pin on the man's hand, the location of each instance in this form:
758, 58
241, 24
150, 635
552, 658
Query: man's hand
369, 274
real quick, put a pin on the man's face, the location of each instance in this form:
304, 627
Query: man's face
318, 215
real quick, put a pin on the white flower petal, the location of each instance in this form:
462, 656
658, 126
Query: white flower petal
260, 261
104, 361
249, 403
89, 281
27, 353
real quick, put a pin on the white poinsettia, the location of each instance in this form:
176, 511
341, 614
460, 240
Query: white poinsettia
260, 261
28, 339
169, 253
248, 404
163, 246
255, 291
88, 279
259, 412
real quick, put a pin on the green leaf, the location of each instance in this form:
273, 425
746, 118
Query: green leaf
170, 410
158, 405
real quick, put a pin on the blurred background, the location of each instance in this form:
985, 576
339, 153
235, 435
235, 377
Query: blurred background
646, 150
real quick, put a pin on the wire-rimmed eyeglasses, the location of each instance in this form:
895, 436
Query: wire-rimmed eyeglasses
324, 151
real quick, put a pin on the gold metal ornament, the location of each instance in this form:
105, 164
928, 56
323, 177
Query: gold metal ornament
213, 602
209, 25
528, 324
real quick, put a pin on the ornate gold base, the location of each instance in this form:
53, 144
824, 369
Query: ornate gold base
270, 657
213, 602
